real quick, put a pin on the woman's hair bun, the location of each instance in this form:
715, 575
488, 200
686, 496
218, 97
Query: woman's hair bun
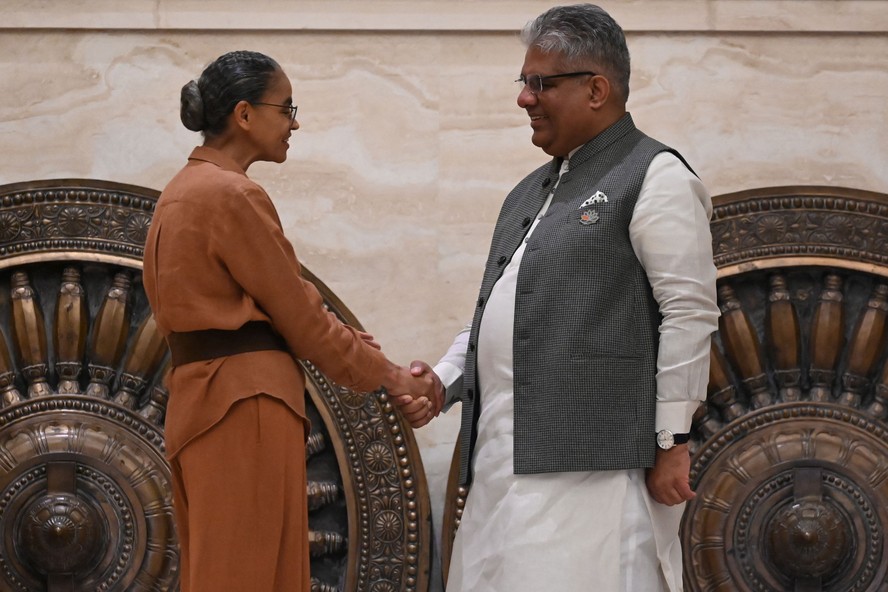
192, 108
233, 77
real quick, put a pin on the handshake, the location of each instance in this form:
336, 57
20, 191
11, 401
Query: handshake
418, 393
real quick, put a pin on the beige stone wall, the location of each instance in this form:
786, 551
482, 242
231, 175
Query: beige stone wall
410, 134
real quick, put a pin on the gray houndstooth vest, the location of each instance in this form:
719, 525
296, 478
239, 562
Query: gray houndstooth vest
586, 322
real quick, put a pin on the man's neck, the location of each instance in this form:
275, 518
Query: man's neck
607, 117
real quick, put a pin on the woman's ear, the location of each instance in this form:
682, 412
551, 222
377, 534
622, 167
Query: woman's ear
242, 113
599, 91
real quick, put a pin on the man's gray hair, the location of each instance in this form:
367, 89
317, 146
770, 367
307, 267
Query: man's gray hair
583, 33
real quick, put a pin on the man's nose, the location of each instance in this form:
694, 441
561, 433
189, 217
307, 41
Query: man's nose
525, 97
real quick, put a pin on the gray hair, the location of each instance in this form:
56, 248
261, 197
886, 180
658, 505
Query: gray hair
237, 76
583, 33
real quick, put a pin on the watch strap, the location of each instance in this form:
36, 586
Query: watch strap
681, 438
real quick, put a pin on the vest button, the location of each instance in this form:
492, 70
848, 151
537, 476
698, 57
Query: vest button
470, 393
525, 223
501, 260
546, 182
471, 346
481, 301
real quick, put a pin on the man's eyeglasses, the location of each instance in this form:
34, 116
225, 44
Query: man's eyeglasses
537, 83
290, 108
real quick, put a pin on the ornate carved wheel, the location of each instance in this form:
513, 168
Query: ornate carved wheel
791, 459
85, 500
791, 448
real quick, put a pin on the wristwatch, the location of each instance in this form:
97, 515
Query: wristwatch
666, 439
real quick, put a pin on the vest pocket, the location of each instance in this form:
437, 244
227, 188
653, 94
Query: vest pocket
598, 358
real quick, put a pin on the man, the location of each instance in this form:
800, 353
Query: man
589, 348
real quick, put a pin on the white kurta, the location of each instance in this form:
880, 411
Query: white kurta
587, 530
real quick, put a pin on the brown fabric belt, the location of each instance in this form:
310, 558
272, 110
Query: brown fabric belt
194, 346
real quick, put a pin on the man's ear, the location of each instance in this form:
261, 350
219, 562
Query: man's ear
599, 91
243, 113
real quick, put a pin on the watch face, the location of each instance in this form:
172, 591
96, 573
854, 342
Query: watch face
665, 439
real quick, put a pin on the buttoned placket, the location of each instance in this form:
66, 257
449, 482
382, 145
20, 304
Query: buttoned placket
565, 166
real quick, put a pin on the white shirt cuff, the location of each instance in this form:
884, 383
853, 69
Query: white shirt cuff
451, 377
675, 416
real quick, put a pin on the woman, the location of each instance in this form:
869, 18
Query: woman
225, 288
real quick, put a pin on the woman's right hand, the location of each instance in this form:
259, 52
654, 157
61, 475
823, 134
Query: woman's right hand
417, 412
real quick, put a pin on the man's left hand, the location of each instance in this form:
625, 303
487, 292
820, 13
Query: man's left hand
669, 480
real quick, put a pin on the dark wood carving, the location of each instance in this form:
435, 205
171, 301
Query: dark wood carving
790, 449
85, 498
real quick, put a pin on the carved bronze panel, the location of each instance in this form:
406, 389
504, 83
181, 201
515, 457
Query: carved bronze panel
791, 455
85, 498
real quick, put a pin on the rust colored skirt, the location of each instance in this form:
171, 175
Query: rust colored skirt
239, 494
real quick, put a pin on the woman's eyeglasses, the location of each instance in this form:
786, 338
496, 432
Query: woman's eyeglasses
290, 108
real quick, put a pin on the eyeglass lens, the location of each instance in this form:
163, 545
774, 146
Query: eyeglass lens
291, 108
534, 83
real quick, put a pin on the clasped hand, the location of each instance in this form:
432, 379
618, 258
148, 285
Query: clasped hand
419, 395
416, 391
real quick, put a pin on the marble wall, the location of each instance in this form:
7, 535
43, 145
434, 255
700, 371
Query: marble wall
410, 133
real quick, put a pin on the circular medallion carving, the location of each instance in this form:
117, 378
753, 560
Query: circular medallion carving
789, 494
10, 226
91, 497
789, 446
809, 538
73, 221
60, 532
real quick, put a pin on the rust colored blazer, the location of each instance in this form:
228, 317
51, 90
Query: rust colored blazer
216, 257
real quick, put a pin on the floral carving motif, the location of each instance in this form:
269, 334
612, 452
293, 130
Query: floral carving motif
10, 226
66, 219
385, 486
378, 458
771, 226
840, 229
352, 399
387, 526
73, 221
384, 586
136, 230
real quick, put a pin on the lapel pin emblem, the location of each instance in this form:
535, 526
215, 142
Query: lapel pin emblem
589, 217
597, 198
